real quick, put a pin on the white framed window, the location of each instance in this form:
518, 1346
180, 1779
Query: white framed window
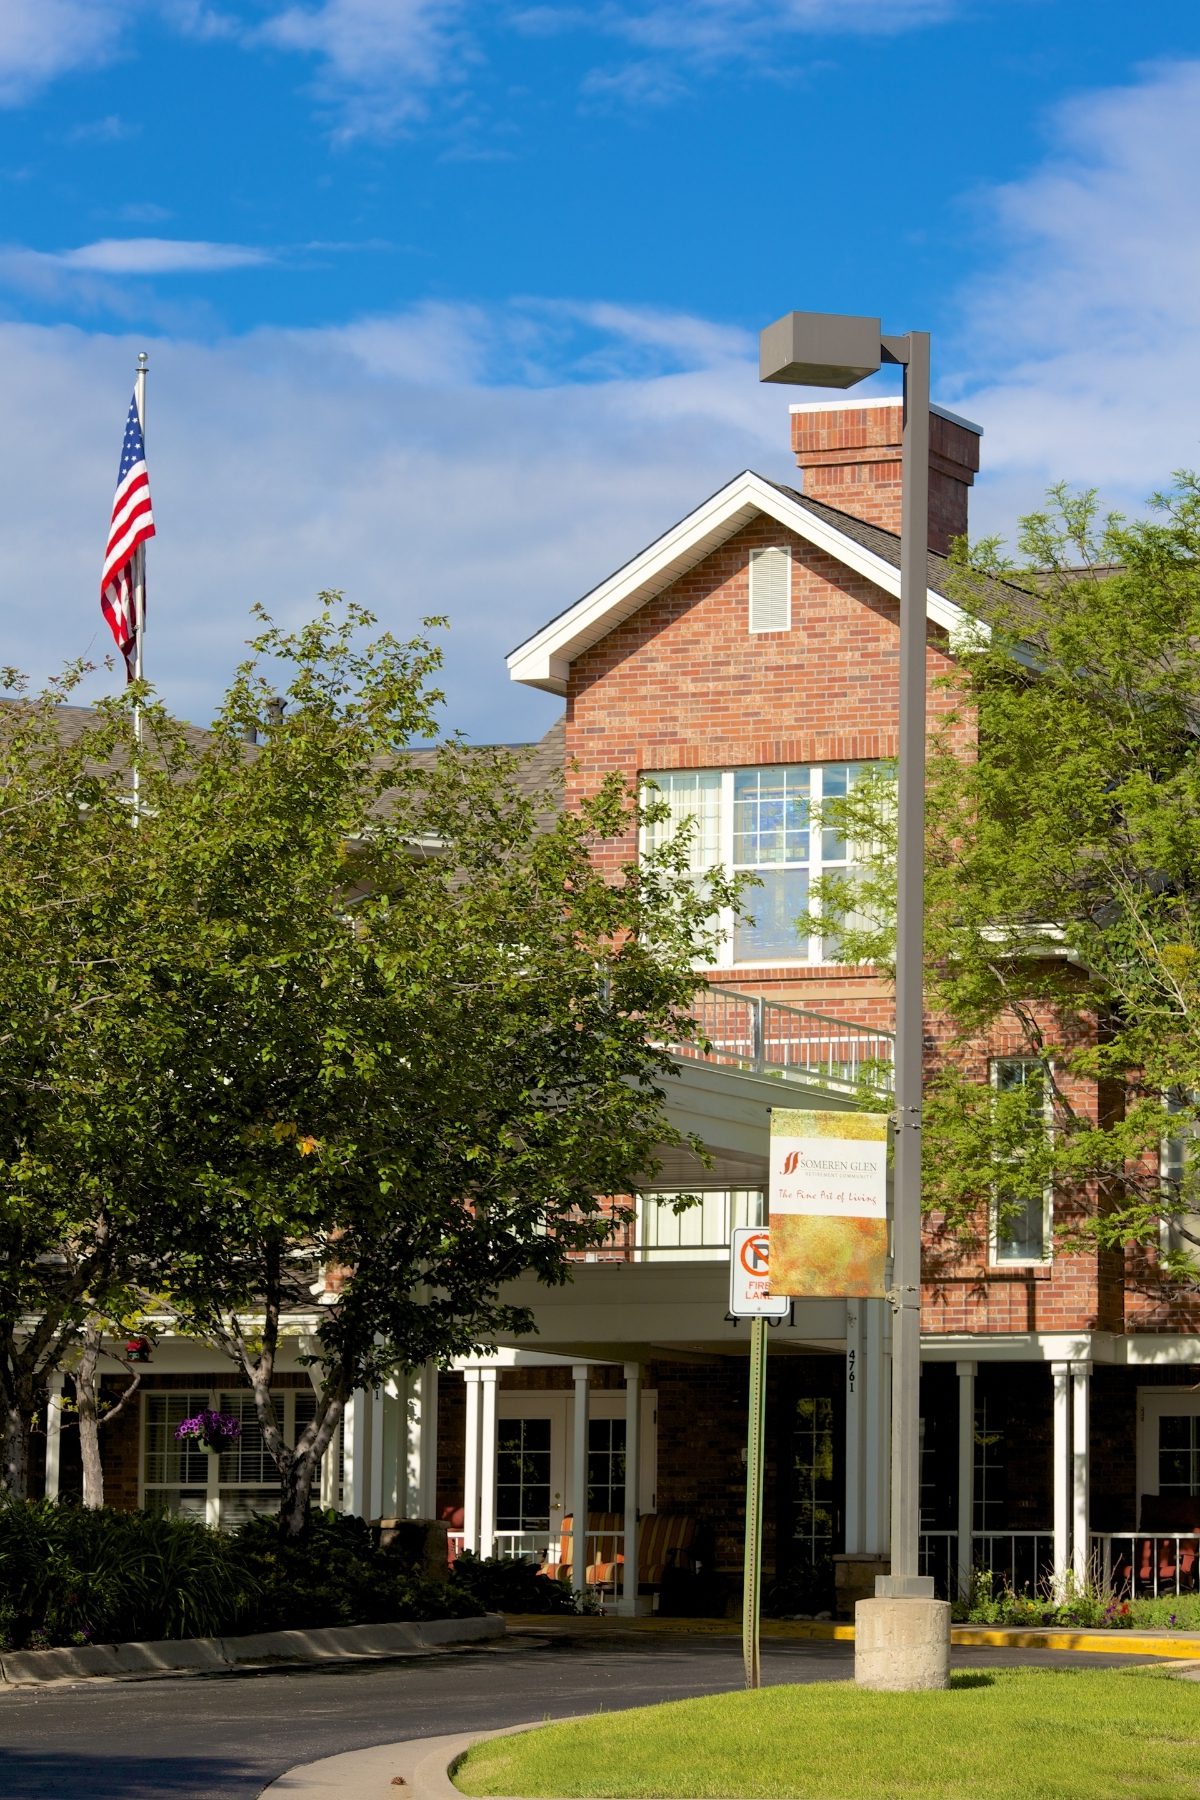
771, 589
1177, 1167
1168, 1445
223, 1488
763, 822
1019, 1229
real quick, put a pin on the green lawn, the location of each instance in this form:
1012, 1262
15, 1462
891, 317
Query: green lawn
1003, 1734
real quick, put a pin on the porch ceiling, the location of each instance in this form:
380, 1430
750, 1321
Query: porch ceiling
730, 1112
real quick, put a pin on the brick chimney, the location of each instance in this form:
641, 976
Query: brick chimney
849, 451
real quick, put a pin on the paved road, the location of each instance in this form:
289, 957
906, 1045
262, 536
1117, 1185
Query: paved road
224, 1737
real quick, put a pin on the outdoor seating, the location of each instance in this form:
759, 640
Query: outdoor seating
665, 1542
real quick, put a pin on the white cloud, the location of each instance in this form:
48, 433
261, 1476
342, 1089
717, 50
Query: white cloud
1080, 344
41, 39
677, 39
91, 274
158, 256
377, 58
406, 458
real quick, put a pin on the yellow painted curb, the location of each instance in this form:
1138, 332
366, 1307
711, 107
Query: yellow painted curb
1107, 1643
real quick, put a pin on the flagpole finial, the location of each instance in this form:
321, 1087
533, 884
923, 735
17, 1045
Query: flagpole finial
143, 362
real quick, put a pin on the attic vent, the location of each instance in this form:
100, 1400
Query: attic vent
771, 589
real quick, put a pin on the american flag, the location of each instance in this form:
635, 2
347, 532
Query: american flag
132, 523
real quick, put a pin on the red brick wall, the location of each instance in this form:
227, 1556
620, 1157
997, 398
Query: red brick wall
684, 684
851, 459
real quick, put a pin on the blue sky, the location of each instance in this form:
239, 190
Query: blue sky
454, 305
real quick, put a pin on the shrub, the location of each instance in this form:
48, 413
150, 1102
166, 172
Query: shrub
510, 1584
70, 1576
1082, 1606
334, 1576
75, 1576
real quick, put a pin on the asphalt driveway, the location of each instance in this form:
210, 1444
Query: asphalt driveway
224, 1737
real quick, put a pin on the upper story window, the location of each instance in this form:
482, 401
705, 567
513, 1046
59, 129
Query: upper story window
1177, 1170
1020, 1224
771, 589
763, 822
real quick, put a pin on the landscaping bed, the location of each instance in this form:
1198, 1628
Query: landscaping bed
1004, 1734
71, 1577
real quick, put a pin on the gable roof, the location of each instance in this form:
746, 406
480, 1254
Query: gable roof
544, 660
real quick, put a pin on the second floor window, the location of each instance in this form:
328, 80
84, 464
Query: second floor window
1020, 1222
764, 822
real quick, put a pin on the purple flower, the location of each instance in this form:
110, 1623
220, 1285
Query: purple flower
215, 1430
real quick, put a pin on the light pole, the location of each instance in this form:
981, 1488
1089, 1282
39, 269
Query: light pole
832, 350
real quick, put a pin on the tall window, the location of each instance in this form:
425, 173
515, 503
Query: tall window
814, 1489
606, 1465
1178, 1169
762, 822
523, 1475
1020, 1223
224, 1488
1179, 1454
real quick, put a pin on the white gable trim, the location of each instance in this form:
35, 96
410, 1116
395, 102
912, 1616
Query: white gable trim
544, 660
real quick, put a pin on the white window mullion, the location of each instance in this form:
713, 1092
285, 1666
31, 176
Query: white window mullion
814, 946
212, 1502
725, 840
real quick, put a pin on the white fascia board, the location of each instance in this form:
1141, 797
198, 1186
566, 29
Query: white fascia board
544, 661
820, 406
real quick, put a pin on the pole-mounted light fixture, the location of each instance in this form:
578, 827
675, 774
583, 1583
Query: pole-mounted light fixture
835, 351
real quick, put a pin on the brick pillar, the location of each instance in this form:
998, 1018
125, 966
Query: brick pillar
850, 454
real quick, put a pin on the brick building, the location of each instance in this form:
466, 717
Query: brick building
747, 662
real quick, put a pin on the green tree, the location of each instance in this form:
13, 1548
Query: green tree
1063, 874
407, 1039
84, 1042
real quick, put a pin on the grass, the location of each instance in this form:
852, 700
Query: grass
1003, 1734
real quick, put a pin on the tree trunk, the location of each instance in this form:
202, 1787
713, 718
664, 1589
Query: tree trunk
296, 1485
87, 1399
14, 1477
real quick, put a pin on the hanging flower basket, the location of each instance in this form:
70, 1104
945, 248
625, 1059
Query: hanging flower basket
137, 1349
215, 1430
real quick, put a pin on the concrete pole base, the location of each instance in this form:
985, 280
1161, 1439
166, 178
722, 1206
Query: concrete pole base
902, 1645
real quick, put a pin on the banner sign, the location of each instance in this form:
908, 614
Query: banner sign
828, 1204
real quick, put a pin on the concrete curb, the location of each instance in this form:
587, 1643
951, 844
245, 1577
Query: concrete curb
419, 1766
424, 1767
1114, 1642
25, 1668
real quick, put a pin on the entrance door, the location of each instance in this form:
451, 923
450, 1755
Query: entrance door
1168, 1455
533, 1451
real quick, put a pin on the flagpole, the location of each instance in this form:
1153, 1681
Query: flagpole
139, 588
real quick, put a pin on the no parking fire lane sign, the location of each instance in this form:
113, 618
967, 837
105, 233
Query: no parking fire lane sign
749, 1264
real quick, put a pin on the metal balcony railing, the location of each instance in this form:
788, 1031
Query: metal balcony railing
772, 1037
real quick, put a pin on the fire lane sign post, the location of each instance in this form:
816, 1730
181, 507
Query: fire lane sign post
749, 1276
749, 1269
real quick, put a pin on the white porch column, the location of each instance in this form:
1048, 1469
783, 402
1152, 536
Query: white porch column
579, 1451
1060, 1374
488, 1380
355, 1431
633, 1477
471, 1472
54, 1394
966, 1474
1081, 1380
853, 1499
876, 1317
376, 1454
419, 1446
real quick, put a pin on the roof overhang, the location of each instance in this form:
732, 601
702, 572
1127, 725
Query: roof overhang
544, 660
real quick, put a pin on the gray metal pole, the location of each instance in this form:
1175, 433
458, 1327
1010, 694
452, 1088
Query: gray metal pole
755, 1451
910, 900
